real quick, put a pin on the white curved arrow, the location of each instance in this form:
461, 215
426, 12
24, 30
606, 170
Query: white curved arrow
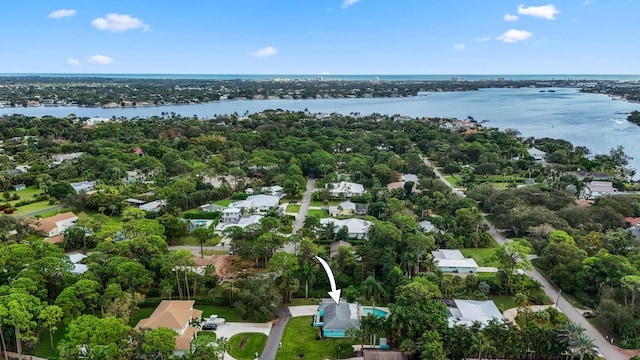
334, 293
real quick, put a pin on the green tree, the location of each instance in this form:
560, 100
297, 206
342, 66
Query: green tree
373, 290
202, 234
95, 338
160, 341
60, 190
583, 345
51, 316
512, 257
481, 344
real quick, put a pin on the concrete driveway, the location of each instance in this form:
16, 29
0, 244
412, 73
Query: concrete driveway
227, 330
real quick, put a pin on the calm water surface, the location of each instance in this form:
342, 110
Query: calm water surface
591, 120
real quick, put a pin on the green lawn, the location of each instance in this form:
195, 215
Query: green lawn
320, 203
452, 180
299, 336
254, 344
224, 312
317, 212
55, 212
43, 349
28, 194
293, 208
142, 313
482, 256
223, 202
40, 205
503, 302
303, 301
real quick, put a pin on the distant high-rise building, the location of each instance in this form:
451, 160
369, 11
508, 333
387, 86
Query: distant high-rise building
376, 79
318, 78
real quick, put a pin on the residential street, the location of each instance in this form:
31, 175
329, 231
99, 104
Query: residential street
304, 205
607, 350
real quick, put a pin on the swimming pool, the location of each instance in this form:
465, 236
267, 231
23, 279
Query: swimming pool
378, 312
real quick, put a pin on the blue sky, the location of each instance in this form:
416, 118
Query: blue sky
321, 37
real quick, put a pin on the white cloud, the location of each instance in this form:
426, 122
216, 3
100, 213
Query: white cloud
587, 2
325, 72
548, 12
264, 52
73, 62
459, 47
100, 60
62, 13
509, 17
119, 23
513, 36
484, 38
347, 3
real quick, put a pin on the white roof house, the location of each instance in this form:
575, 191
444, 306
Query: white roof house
275, 190
466, 312
348, 189
357, 228
258, 202
598, 188
244, 222
453, 261
536, 154
153, 205
410, 177
427, 226
77, 267
83, 186
212, 207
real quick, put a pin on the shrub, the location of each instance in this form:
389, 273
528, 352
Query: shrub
343, 350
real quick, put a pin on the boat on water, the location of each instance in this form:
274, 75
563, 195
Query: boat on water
543, 90
551, 90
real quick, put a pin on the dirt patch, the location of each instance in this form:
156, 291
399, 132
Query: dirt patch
222, 264
243, 342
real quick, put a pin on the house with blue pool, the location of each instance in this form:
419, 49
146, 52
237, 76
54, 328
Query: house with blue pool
335, 319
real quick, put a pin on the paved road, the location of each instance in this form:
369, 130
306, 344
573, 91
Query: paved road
304, 205
275, 335
607, 350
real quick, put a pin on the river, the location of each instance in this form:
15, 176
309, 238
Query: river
591, 120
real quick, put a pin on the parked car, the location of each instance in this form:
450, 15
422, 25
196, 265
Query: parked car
209, 327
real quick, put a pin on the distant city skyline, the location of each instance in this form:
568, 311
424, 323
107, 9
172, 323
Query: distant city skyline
328, 37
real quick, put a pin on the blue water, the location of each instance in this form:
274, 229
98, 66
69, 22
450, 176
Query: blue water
378, 312
347, 77
591, 120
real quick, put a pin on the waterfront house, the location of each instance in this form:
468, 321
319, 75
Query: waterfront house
176, 315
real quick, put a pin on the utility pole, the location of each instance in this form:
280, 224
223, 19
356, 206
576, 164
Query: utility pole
558, 300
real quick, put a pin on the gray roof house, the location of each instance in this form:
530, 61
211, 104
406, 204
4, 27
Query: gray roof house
598, 188
335, 319
466, 312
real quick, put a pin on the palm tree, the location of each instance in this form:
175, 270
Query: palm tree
482, 344
371, 325
583, 345
308, 273
223, 345
372, 290
568, 333
352, 333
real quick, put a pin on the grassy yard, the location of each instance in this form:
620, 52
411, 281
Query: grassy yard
503, 302
55, 212
254, 344
223, 202
300, 337
303, 301
452, 180
293, 208
317, 212
142, 313
482, 256
224, 312
43, 349
320, 203
37, 206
